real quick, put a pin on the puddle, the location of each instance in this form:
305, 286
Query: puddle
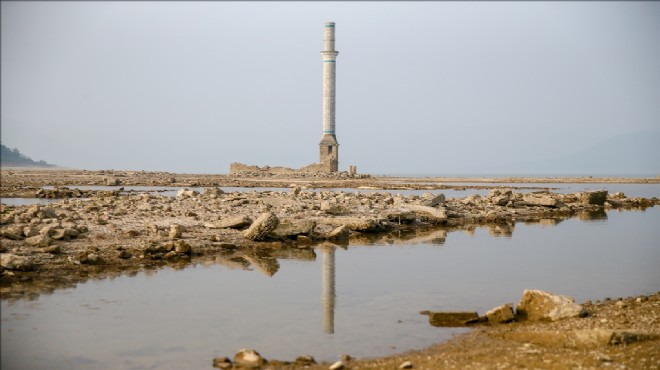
363, 300
27, 201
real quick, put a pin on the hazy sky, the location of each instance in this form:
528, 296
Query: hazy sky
422, 87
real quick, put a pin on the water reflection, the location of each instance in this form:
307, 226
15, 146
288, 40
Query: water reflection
328, 280
596, 215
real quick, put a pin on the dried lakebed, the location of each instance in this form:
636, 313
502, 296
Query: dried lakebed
110, 230
118, 235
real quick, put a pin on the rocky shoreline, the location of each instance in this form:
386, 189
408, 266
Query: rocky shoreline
103, 233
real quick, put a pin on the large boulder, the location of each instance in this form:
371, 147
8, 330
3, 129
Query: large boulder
537, 305
544, 200
290, 227
430, 213
263, 225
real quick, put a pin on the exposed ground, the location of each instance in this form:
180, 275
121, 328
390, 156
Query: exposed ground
93, 233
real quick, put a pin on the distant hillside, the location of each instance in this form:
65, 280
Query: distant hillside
14, 158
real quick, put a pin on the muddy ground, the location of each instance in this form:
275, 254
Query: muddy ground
101, 233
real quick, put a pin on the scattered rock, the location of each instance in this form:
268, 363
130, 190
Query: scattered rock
290, 228
501, 314
339, 234
40, 241
112, 181
543, 200
213, 192
183, 247
263, 225
365, 225
176, 231
406, 365
248, 358
236, 222
14, 262
333, 209
305, 360
337, 366
222, 363
430, 200
431, 213
55, 249
185, 193
537, 305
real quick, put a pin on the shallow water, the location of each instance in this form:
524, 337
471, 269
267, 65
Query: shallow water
631, 190
173, 319
27, 201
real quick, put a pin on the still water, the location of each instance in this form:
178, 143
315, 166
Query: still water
362, 300
631, 190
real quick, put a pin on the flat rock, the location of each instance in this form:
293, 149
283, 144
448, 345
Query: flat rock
14, 262
40, 240
537, 305
540, 200
356, 223
432, 213
291, 227
452, 319
236, 222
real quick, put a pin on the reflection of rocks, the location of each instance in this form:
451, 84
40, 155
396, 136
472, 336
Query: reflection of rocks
300, 254
497, 230
595, 215
263, 262
233, 262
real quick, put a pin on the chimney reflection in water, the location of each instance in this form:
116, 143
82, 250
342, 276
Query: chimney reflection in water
328, 289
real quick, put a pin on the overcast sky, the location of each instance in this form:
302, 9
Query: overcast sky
422, 87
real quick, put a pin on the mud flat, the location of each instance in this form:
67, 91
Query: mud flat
96, 233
